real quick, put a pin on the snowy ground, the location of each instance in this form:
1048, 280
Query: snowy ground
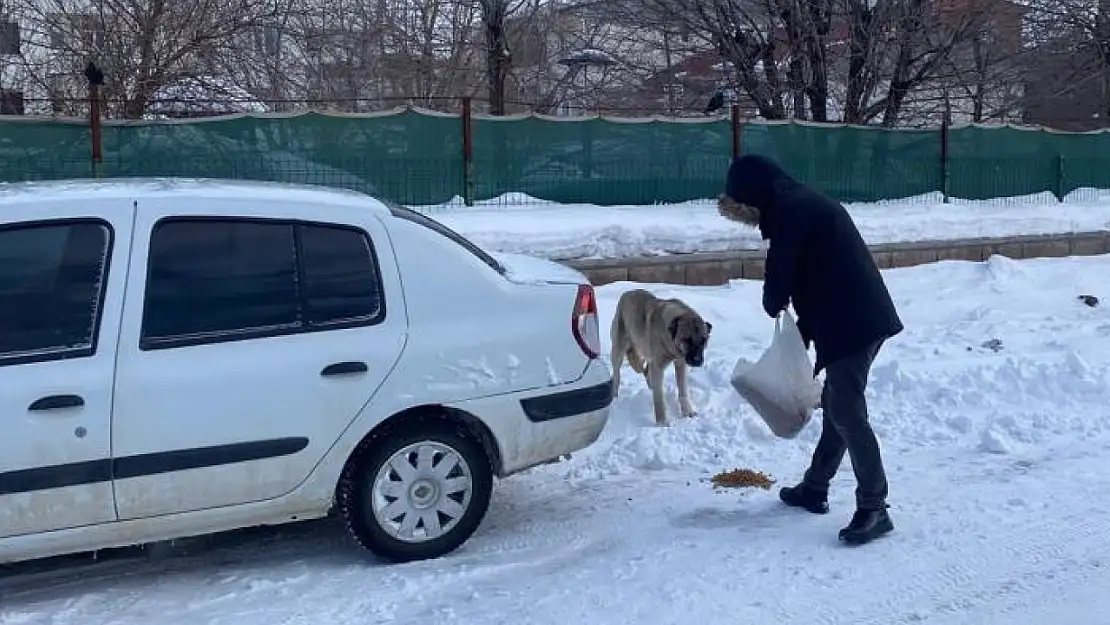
570, 231
997, 462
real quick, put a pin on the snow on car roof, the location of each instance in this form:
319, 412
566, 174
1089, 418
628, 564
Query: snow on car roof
138, 188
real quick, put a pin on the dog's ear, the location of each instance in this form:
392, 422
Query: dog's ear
672, 327
708, 328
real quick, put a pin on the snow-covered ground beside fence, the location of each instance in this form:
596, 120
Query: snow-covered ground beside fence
516, 223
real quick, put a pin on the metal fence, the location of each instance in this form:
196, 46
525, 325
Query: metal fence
422, 157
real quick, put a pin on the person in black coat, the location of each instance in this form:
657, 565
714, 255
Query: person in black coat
818, 261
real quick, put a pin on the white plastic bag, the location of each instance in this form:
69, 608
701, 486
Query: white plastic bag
780, 386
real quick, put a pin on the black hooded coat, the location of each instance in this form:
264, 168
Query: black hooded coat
817, 260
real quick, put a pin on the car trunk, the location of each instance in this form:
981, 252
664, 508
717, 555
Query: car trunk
523, 269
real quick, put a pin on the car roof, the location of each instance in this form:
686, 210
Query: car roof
211, 188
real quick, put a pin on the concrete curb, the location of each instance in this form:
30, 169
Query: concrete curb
714, 268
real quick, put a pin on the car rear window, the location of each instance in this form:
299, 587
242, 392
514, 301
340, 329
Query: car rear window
417, 218
215, 277
341, 282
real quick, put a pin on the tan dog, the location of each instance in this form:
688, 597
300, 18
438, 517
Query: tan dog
653, 333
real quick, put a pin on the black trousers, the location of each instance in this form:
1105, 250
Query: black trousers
847, 428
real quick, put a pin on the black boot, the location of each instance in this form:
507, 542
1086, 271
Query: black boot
867, 525
801, 497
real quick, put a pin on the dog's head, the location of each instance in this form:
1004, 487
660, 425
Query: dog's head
732, 210
690, 334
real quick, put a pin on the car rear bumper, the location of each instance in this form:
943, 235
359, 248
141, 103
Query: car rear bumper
542, 425
568, 404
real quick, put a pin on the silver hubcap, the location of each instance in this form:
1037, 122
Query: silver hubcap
422, 491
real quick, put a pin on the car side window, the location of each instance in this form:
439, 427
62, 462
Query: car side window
341, 283
52, 283
219, 279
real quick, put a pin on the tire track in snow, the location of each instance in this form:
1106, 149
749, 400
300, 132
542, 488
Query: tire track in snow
556, 553
523, 536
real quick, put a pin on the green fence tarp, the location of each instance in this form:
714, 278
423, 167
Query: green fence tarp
44, 150
853, 164
599, 161
411, 157
416, 157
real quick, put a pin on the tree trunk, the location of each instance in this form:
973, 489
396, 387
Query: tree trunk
134, 106
815, 46
980, 87
909, 32
498, 56
791, 15
859, 51
1102, 39
796, 76
772, 93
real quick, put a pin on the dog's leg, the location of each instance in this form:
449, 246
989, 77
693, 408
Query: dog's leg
683, 391
655, 381
635, 361
642, 366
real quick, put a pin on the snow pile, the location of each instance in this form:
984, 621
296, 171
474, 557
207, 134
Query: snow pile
996, 356
992, 412
519, 224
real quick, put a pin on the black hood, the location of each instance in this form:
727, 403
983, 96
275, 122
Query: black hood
757, 181
754, 180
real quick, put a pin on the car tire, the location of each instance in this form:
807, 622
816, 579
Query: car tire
416, 492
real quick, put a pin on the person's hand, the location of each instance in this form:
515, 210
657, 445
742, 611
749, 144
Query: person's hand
803, 329
772, 308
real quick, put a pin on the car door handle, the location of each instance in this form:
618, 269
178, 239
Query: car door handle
56, 402
344, 368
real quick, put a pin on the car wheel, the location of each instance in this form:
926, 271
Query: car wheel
417, 492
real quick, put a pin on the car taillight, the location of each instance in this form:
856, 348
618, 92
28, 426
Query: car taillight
584, 323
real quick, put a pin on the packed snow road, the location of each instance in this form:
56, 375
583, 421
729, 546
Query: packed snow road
993, 409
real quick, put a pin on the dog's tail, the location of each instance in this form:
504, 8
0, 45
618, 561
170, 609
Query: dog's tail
616, 331
618, 336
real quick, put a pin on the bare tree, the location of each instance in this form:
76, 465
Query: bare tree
601, 65
267, 59
1071, 40
499, 57
791, 57
986, 73
361, 53
141, 45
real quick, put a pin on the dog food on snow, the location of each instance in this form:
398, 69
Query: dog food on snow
738, 478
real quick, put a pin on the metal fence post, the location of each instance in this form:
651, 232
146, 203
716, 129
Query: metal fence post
1060, 177
96, 80
735, 131
944, 158
467, 152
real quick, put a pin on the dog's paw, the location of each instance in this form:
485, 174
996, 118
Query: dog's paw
689, 414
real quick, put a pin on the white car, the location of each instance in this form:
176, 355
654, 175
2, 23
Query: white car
183, 357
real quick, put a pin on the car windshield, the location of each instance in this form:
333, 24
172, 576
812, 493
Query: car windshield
410, 215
